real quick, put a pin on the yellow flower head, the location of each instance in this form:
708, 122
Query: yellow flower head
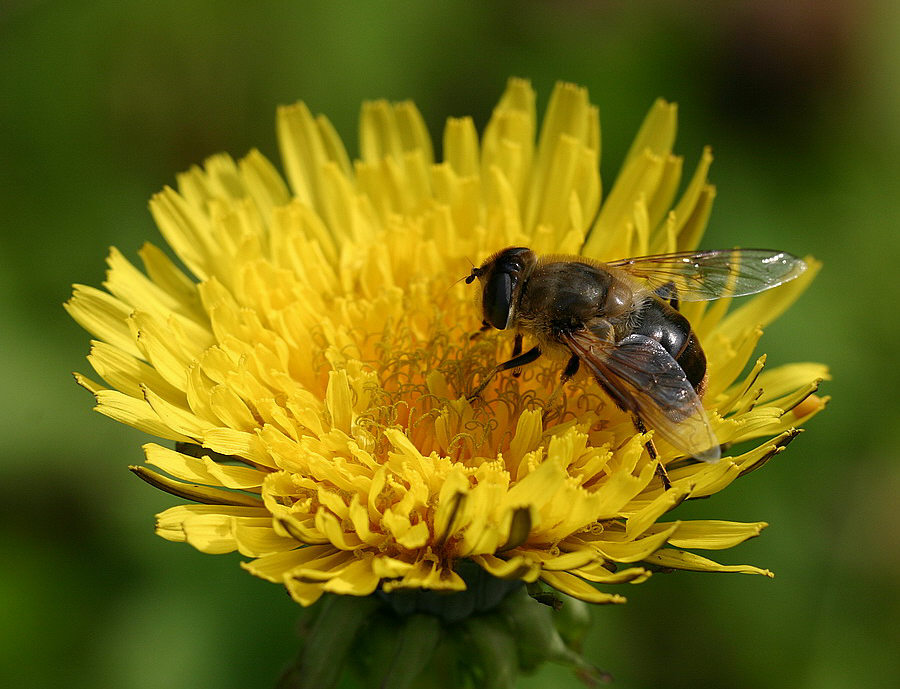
313, 366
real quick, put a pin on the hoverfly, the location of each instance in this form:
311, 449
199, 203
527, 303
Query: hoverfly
620, 320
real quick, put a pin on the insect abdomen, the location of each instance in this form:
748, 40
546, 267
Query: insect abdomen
667, 326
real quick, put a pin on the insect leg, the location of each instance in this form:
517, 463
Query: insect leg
651, 450
517, 349
570, 370
515, 362
485, 326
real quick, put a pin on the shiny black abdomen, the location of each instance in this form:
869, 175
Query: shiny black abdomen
664, 324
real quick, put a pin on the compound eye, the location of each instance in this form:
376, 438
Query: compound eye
497, 300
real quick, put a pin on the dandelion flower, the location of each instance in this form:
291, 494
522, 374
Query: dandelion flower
306, 362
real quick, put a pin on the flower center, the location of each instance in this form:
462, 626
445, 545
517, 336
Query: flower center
425, 372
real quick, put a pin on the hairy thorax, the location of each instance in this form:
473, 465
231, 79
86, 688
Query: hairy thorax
567, 296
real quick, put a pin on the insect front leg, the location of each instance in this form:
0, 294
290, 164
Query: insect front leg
651, 450
517, 349
520, 360
485, 326
572, 366
570, 370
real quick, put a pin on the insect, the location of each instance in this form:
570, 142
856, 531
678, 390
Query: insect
620, 320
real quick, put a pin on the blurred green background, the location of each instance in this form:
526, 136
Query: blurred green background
104, 101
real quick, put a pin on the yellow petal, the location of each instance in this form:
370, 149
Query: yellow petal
209, 528
190, 491
578, 588
303, 151
516, 567
693, 208
643, 519
277, 566
169, 278
356, 579
657, 132
202, 470
461, 146
712, 534
127, 373
640, 177
136, 413
103, 316
679, 559
636, 550
601, 575
264, 183
256, 537
185, 230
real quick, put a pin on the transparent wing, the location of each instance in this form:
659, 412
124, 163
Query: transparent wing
705, 275
643, 378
